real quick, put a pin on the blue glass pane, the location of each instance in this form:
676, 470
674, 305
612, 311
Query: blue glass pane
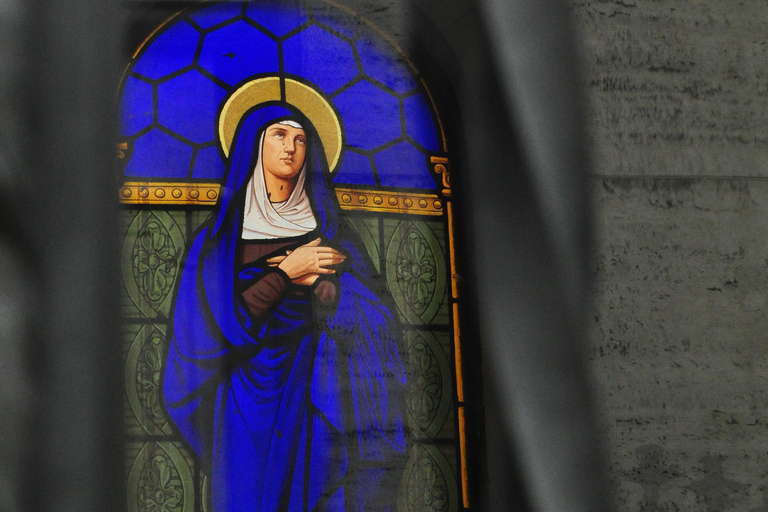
208, 164
158, 155
402, 165
371, 116
187, 105
237, 51
382, 63
278, 18
418, 122
338, 20
216, 14
172, 50
322, 58
135, 107
355, 169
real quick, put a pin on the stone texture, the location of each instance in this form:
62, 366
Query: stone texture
676, 87
679, 346
678, 94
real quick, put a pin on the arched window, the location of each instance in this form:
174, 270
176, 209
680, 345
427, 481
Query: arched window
363, 398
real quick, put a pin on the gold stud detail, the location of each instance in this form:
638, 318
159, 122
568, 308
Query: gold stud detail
176, 193
408, 202
143, 192
438, 205
423, 203
194, 193
392, 201
377, 199
211, 194
362, 199
160, 192
346, 198
127, 192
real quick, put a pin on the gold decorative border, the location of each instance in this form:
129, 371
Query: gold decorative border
207, 194
391, 202
163, 193
443, 168
169, 193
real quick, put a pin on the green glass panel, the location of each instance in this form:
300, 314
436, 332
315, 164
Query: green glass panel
153, 246
197, 217
131, 422
144, 366
429, 482
368, 230
429, 389
416, 270
161, 479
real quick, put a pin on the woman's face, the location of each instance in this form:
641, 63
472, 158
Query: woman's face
284, 150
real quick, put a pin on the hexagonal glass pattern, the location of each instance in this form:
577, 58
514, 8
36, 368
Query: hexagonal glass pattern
203, 54
187, 105
173, 49
341, 21
355, 168
137, 109
278, 18
381, 63
158, 155
208, 164
237, 51
402, 165
371, 116
219, 13
328, 69
418, 122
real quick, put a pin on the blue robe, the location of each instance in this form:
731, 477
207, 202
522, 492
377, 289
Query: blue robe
298, 410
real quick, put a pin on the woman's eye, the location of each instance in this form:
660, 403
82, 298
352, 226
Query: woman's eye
279, 135
300, 141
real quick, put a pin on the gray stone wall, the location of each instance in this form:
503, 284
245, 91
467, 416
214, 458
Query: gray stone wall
678, 95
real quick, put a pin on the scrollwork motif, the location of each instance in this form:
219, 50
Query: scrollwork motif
155, 261
148, 373
160, 488
416, 271
429, 484
425, 387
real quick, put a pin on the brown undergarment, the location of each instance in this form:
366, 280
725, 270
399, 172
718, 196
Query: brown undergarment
274, 286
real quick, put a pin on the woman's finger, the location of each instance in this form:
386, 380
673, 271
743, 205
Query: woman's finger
330, 261
276, 259
313, 243
328, 250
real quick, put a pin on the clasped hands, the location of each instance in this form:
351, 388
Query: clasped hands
306, 263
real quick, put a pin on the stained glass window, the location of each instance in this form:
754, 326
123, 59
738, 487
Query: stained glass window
250, 387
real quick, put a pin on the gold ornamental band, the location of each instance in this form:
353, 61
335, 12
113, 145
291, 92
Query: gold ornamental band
157, 193
389, 202
169, 193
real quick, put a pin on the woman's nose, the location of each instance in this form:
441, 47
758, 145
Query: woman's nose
290, 146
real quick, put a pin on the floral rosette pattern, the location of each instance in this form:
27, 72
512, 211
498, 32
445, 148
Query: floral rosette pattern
159, 492
416, 271
154, 261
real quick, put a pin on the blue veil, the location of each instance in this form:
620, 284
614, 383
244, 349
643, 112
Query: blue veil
315, 426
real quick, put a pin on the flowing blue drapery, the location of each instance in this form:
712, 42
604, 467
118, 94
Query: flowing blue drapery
298, 410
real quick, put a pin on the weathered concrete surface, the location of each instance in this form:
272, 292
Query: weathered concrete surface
679, 346
679, 100
677, 87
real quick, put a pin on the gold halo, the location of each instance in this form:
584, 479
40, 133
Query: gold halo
306, 99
